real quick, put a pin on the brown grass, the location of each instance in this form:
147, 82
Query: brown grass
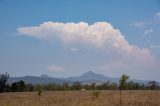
81, 98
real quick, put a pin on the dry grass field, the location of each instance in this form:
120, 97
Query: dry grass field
81, 98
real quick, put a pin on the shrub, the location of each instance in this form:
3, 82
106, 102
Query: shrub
39, 92
95, 94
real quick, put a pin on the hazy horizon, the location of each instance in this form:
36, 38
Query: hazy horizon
66, 38
46, 75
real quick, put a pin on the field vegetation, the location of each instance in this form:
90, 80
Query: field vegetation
108, 94
82, 98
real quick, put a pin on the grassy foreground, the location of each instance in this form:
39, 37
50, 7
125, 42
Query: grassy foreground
81, 98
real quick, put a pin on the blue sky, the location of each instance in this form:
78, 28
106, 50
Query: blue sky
49, 49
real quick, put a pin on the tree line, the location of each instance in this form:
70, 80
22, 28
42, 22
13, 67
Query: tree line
21, 86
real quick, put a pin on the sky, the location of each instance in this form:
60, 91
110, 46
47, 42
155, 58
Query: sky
63, 38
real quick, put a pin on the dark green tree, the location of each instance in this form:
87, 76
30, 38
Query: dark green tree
29, 87
106, 85
14, 87
7, 88
122, 83
65, 86
21, 86
87, 87
3, 81
153, 85
93, 86
113, 86
77, 85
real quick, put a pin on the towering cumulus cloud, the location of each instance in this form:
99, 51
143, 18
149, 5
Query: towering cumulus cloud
100, 35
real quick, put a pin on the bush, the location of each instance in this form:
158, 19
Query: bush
95, 94
39, 91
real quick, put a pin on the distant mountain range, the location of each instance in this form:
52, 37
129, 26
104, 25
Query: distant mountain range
88, 77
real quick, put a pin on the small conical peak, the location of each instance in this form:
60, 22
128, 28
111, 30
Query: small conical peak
89, 73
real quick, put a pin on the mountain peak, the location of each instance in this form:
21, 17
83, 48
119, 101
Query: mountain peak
89, 73
45, 76
92, 76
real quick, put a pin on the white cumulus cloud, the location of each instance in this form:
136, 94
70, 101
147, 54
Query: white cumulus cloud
148, 31
154, 46
139, 24
55, 68
99, 35
74, 49
157, 16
